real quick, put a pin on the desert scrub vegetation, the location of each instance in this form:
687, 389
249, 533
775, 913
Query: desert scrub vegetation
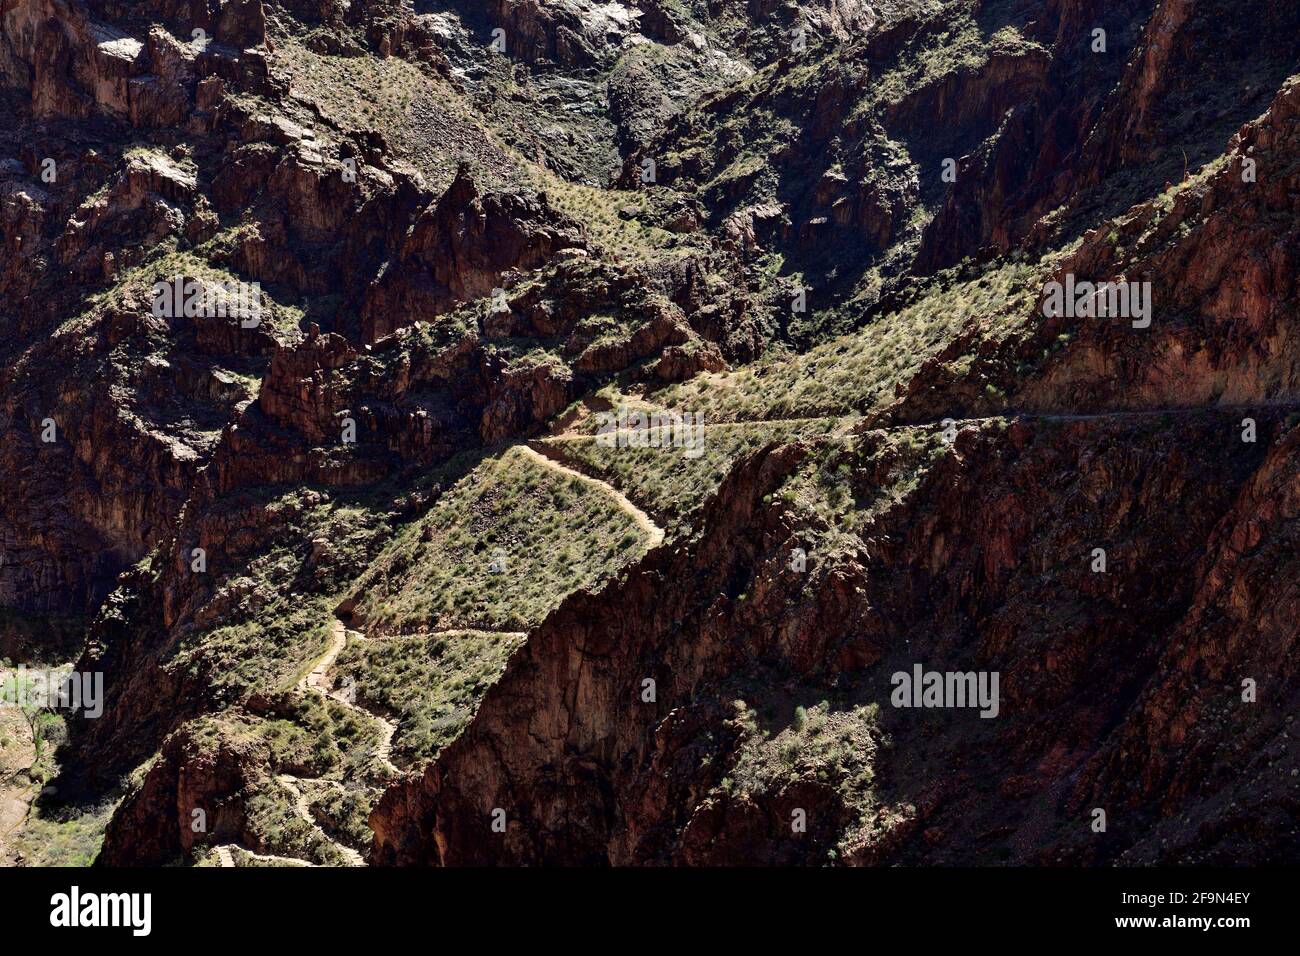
272, 629
34, 827
344, 812
166, 260
847, 485
1155, 234
857, 373
932, 55
313, 736
499, 550
69, 836
420, 114
822, 744
430, 685
267, 649
355, 91
271, 817
667, 483
327, 747
30, 731
609, 217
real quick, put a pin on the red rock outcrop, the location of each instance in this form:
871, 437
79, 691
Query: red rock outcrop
292, 451
459, 249
987, 566
194, 774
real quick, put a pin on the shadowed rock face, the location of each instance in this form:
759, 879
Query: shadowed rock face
986, 566
456, 247
459, 249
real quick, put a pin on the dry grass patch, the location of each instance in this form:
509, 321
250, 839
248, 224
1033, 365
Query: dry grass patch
499, 550
430, 685
857, 373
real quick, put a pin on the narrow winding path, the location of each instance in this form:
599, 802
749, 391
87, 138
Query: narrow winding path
380, 638
228, 860
302, 807
1274, 404
550, 458
318, 680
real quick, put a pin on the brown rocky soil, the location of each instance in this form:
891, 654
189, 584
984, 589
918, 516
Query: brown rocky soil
457, 253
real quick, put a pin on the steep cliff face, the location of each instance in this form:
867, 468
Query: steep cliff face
817, 240
1219, 328
460, 249
987, 564
1107, 676
1191, 743
150, 830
